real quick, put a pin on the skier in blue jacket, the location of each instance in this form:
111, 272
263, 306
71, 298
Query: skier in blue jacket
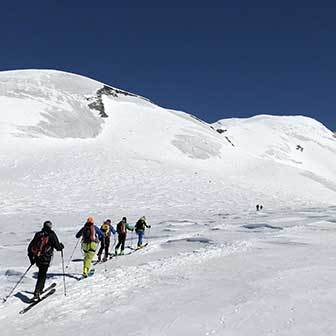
107, 230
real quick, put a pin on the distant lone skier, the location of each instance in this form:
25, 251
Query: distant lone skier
107, 230
90, 234
40, 251
139, 227
260, 207
257, 207
122, 228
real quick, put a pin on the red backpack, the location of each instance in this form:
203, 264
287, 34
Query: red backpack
40, 245
121, 228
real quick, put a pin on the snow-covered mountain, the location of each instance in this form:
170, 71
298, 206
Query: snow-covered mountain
265, 154
73, 147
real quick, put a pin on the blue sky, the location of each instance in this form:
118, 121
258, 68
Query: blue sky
234, 59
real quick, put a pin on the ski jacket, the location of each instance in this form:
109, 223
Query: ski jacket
140, 226
53, 243
98, 234
122, 228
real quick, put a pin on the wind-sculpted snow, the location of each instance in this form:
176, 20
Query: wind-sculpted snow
197, 145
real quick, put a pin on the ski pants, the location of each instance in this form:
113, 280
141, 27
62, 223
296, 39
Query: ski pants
140, 237
41, 278
121, 241
89, 252
105, 244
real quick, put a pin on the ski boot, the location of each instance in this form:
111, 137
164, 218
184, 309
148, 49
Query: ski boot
36, 297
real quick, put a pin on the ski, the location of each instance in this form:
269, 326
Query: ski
133, 249
112, 256
90, 274
53, 285
31, 305
137, 248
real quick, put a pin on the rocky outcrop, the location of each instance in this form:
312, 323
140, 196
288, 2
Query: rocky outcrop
96, 102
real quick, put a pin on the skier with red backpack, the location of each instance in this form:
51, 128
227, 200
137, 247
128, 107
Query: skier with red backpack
122, 228
91, 235
40, 251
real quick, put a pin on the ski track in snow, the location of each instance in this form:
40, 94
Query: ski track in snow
157, 266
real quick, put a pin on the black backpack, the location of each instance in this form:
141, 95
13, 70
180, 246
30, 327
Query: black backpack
40, 244
140, 225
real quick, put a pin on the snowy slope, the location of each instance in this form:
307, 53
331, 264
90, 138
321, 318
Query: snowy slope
73, 147
296, 141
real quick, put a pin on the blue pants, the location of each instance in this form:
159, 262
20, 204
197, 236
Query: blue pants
140, 237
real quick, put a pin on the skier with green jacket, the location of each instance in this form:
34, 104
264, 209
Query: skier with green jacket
122, 228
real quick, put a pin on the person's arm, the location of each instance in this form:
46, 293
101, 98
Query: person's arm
112, 229
55, 242
79, 233
99, 232
129, 228
30, 254
147, 225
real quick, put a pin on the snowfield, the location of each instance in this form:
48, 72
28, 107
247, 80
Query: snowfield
73, 147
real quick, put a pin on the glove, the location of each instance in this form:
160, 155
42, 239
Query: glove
149, 226
61, 246
32, 259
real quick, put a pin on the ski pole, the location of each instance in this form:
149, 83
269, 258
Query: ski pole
73, 252
17, 284
63, 272
148, 232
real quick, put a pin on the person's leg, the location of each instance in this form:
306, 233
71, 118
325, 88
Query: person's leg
107, 245
41, 278
86, 264
89, 254
119, 243
89, 259
123, 244
141, 234
102, 246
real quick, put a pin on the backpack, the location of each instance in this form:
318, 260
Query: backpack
88, 234
140, 226
121, 228
106, 229
39, 245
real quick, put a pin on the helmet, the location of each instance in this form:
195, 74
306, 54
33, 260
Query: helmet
90, 220
108, 221
47, 225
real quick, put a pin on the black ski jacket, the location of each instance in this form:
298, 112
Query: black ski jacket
53, 243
